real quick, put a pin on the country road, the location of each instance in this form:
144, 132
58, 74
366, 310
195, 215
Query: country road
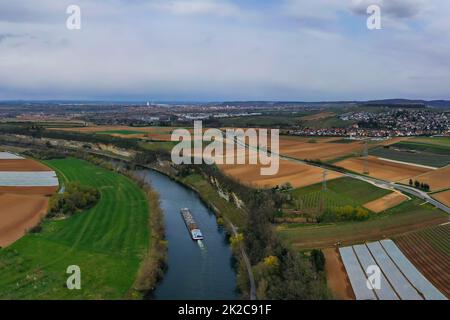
382, 183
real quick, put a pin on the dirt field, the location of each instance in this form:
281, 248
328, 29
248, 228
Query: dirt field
391, 200
337, 279
443, 197
427, 251
21, 208
322, 148
18, 214
29, 190
22, 165
437, 179
299, 175
382, 169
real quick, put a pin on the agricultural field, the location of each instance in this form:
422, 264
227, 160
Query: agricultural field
417, 157
22, 165
443, 197
297, 174
383, 169
388, 201
267, 121
318, 148
46, 123
431, 146
107, 242
119, 132
327, 122
318, 116
429, 251
437, 141
25, 185
428, 151
409, 216
145, 133
399, 279
19, 213
337, 279
157, 145
436, 179
340, 192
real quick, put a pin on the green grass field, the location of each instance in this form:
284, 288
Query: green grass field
408, 216
438, 141
124, 132
269, 120
427, 147
158, 145
340, 192
326, 123
343, 141
417, 157
107, 242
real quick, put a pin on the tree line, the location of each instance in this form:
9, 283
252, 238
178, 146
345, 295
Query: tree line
419, 185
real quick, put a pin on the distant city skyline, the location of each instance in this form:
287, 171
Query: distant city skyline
221, 50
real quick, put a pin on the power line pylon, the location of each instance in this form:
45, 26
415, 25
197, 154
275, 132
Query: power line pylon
324, 180
366, 157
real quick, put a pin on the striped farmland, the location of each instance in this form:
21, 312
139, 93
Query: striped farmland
421, 283
399, 277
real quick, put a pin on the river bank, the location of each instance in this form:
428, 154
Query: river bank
196, 270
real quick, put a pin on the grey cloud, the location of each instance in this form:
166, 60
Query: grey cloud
9, 36
131, 49
4, 36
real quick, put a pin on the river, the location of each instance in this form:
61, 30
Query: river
195, 271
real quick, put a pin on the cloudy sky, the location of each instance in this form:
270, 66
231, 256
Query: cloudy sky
202, 50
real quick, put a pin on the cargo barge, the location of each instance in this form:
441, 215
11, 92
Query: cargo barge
194, 231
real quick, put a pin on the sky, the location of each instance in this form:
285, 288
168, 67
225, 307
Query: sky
214, 50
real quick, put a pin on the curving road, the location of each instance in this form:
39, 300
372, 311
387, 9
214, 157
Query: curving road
381, 183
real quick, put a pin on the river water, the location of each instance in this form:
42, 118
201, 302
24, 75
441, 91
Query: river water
196, 271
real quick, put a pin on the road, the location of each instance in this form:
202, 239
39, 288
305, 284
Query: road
381, 183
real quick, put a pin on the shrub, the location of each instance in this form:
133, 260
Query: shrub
75, 198
318, 259
346, 213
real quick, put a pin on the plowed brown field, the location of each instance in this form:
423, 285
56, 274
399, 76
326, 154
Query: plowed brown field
19, 213
22, 165
383, 169
389, 201
29, 190
21, 208
299, 175
437, 179
323, 148
429, 250
337, 279
443, 197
